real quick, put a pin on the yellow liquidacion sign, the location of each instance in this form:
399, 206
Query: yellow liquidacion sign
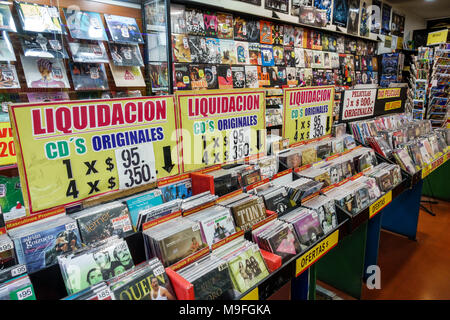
252, 295
220, 126
388, 93
314, 254
393, 105
7, 148
437, 37
380, 204
307, 113
73, 150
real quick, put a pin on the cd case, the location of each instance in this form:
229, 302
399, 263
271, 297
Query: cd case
85, 25
123, 29
126, 55
44, 72
88, 52
88, 76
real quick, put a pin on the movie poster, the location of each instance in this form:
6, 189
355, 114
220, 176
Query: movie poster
353, 17
340, 13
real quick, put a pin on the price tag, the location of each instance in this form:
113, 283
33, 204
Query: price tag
71, 226
21, 269
136, 165
318, 126
239, 143
158, 271
195, 227
103, 294
26, 293
6, 246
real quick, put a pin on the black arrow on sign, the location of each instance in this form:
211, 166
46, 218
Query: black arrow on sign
258, 139
328, 123
168, 164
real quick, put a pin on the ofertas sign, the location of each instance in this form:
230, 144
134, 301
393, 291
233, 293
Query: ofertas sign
70, 151
220, 126
358, 104
307, 113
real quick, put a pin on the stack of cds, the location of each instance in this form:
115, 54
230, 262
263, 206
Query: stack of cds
142, 203
291, 158
7, 257
226, 180
317, 174
275, 198
210, 277
306, 224
268, 166
93, 264
245, 263
12, 272
197, 200
146, 281
302, 188
18, 288
104, 221
247, 210
158, 211
216, 223
279, 238
39, 244
177, 190
326, 210
173, 240
387, 175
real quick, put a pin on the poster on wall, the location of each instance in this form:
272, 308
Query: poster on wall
307, 113
220, 126
353, 17
364, 23
340, 13
87, 148
325, 7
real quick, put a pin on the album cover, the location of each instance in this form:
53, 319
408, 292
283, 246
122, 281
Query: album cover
6, 19
214, 285
277, 34
291, 76
240, 28
325, 42
88, 76
123, 29
316, 40
307, 76
307, 15
126, 55
263, 77
317, 59
211, 25
298, 37
39, 18
309, 38
238, 73
375, 17
254, 50
127, 76
282, 76
278, 55
364, 19
285, 243
308, 228
289, 57
299, 57
40, 249
334, 57
197, 75
278, 201
179, 190
289, 35
181, 50
225, 77
385, 19
85, 25
6, 48
227, 51
277, 5
9, 79
156, 47
340, 44
332, 43
182, 76
47, 96
211, 76
42, 45
44, 73
326, 60
340, 12
353, 17
159, 76
194, 22
253, 31
308, 58
242, 52
325, 7
88, 52
212, 51
251, 77
267, 55
197, 45
265, 32
177, 18
225, 22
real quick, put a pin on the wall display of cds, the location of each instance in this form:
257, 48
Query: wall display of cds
123, 29
39, 18
88, 52
44, 72
85, 25
43, 45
